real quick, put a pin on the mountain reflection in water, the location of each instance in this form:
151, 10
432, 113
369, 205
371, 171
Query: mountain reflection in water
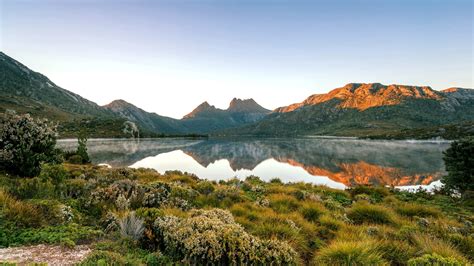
335, 162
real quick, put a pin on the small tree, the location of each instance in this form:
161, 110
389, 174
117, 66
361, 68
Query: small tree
25, 143
131, 129
82, 148
459, 161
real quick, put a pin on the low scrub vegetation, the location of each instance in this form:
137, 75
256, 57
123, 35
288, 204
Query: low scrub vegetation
138, 216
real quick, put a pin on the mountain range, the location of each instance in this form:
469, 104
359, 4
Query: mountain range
360, 109
357, 109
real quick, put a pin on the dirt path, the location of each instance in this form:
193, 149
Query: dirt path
52, 255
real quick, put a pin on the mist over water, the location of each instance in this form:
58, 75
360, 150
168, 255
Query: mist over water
335, 162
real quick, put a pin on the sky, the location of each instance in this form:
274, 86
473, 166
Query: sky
168, 56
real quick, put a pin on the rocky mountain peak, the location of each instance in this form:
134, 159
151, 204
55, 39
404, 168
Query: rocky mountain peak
203, 108
118, 104
246, 105
362, 96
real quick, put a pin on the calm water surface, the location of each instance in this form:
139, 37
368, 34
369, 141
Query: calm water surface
334, 162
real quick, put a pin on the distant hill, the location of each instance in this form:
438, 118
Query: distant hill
367, 109
150, 122
203, 119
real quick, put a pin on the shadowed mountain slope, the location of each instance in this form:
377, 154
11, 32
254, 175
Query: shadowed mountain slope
147, 121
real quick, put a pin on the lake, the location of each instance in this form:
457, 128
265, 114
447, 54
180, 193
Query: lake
335, 162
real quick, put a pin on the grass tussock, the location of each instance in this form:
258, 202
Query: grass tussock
371, 214
432, 245
24, 214
413, 209
312, 211
350, 253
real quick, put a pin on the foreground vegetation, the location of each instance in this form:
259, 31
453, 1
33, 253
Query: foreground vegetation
142, 217
138, 216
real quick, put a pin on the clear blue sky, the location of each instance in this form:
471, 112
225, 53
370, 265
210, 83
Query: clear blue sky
169, 56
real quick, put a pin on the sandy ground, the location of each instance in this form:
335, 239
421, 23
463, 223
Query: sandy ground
52, 255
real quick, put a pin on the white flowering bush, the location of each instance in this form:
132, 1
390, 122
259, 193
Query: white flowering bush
66, 213
25, 143
122, 203
121, 193
212, 236
262, 202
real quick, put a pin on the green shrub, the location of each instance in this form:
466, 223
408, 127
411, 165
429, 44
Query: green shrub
363, 197
434, 260
459, 161
149, 214
157, 259
12, 235
26, 143
205, 187
27, 188
375, 193
103, 258
412, 209
276, 181
75, 159
221, 197
49, 210
372, 214
350, 253
82, 148
75, 188
56, 173
67, 243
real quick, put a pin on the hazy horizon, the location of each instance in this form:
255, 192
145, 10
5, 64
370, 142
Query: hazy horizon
168, 57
